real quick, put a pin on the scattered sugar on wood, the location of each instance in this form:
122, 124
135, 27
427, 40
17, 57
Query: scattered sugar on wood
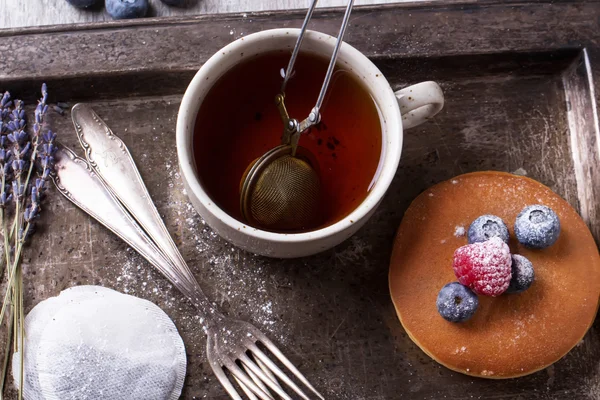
235, 281
459, 231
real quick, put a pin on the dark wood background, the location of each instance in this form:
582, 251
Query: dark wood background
519, 96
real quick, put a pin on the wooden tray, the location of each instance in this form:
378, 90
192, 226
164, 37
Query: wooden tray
522, 81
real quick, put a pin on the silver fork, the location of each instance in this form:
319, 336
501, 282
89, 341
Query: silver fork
109, 188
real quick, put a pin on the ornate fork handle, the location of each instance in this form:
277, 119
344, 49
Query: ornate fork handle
77, 181
110, 159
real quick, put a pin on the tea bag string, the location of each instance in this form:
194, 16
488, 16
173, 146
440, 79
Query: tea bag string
292, 127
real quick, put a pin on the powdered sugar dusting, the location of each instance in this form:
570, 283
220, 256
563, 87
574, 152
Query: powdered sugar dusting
237, 282
240, 277
527, 273
459, 231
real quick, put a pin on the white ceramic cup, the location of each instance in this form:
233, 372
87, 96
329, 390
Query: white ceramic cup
405, 108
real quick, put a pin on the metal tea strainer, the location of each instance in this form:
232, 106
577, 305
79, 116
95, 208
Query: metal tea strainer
281, 189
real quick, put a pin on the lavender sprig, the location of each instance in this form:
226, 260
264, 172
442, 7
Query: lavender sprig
40, 112
21, 156
5, 164
46, 165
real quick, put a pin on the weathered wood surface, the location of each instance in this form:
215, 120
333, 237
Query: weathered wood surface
19, 13
518, 95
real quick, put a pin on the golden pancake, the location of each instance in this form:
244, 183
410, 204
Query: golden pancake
513, 334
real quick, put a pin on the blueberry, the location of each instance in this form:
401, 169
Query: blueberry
174, 2
83, 3
537, 227
456, 303
123, 9
522, 274
487, 227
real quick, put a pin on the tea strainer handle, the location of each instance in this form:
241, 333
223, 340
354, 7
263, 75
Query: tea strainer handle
292, 127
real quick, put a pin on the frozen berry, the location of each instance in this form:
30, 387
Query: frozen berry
124, 9
487, 227
484, 266
456, 303
537, 227
522, 274
83, 3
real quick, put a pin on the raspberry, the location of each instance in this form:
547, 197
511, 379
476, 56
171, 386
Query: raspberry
484, 267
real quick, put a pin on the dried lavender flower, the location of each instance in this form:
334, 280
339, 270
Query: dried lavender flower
5, 198
5, 103
18, 166
18, 135
4, 155
49, 136
32, 211
46, 156
18, 190
40, 185
17, 117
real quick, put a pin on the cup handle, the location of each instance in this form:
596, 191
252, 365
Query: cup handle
419, 102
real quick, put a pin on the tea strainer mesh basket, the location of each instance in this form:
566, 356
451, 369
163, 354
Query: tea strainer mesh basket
281, 190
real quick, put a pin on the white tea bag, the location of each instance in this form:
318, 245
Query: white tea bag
95, 343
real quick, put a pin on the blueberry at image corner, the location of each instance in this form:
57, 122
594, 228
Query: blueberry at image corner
125, 9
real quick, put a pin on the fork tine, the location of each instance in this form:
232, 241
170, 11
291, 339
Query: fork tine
256, 379
220, 374
259, 355
266, 370
246, 361
248, 392
245, 379
277, 353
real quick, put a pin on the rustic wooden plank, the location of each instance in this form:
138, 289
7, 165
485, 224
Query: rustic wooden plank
585, 140
399, 30
504, 69
18, 13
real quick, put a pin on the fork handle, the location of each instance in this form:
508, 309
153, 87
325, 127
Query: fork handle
109, 157
76, 180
